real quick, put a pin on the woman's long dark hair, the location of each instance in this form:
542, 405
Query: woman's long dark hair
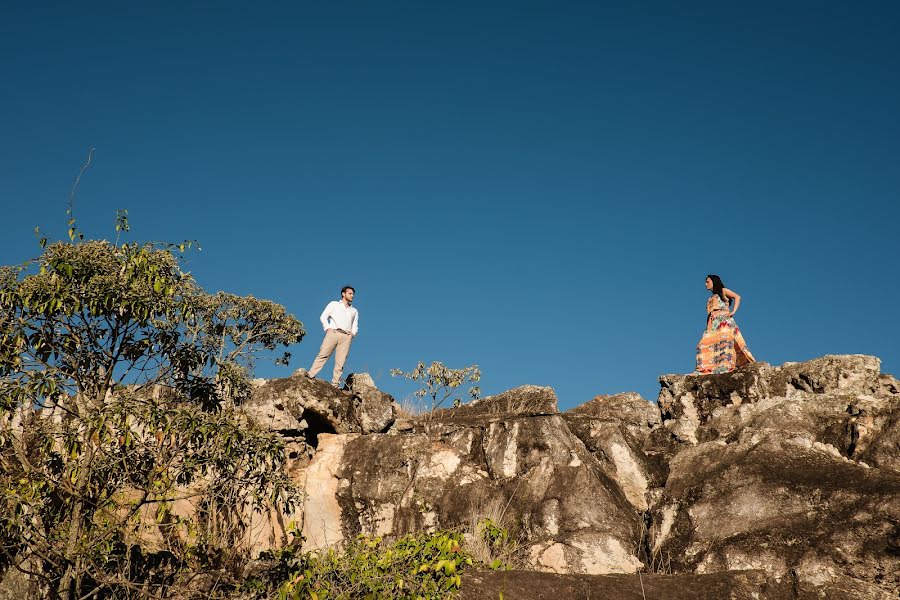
718, 286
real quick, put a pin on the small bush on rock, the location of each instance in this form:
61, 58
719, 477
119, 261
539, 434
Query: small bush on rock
439, 382
420, 565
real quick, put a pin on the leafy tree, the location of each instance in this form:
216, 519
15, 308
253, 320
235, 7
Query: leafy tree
120, 389
439, 382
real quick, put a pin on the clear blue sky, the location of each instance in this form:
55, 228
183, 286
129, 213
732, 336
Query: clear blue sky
538, 188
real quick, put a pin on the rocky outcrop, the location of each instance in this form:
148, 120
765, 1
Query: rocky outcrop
784, 469
768, 482
488, 461
300, 407
524, 400
315, 419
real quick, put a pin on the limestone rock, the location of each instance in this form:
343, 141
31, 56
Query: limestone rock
527, 471
523, 400
374, 410
613, 429
778, 505
16, 584
322, 525
768, 482
628, 408
791, 470
312, 406
688, 402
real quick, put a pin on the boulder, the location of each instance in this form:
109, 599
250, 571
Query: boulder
791, 470
529, 473
637, 415
523, 400
687, 402
373, 410
298, 405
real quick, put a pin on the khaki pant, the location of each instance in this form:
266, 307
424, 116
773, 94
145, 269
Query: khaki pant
339, 344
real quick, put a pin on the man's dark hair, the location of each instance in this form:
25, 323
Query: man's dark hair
347, 287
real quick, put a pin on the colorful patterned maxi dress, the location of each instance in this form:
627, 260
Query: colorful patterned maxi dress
722, 347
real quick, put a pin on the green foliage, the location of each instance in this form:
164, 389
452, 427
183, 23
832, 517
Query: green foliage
499, 546
120, 381
417, 566
439, 382
422, 565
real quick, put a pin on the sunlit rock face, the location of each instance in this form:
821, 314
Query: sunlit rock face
790, 474
613, 429
791, 470
511, 458
315, 419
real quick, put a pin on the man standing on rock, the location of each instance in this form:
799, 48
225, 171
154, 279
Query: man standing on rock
341, 323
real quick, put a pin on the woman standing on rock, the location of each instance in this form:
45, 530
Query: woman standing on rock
722, 347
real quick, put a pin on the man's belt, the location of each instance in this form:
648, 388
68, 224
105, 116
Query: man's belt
342, 331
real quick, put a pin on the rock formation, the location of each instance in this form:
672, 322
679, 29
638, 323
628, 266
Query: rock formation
792, 470
768, 482
783, 482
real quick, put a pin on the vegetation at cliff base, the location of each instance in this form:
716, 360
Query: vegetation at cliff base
420, 565
417, 566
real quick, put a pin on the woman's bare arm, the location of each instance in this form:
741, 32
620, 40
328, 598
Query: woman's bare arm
735, 298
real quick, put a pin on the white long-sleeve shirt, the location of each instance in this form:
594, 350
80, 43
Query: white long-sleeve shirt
338, 316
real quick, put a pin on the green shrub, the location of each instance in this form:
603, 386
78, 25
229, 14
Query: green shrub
420, 565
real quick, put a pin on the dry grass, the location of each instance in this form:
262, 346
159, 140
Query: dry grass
485, 518
475, 543
655, 561
411, 406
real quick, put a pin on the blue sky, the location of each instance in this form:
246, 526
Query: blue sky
536, 187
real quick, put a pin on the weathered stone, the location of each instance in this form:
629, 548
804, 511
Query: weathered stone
300, 405
833, 373
883, 447
17, 584
292, 399
357, 382
373, 410
523, 400
322, 518
613, 429
528, 471
782, 505
628, 408
688, 401
767, 482
620, 457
